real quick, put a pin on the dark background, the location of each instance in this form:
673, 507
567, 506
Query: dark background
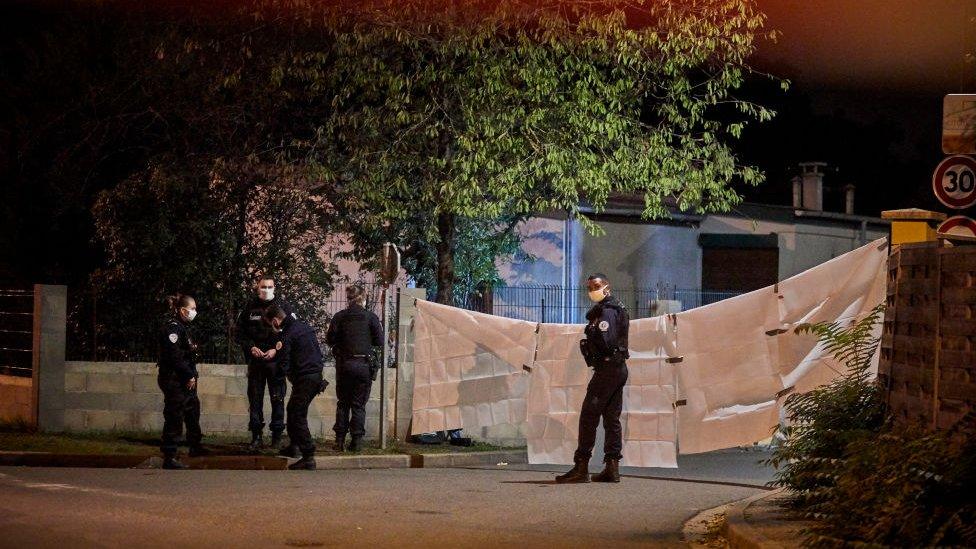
867, 81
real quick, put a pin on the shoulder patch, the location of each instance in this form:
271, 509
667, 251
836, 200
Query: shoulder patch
173, 337
604, 325
293, 315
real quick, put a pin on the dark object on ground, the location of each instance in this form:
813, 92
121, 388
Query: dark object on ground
340, 443
289, 451
173, 463
356, 444
198, 451
461, 441
307, 463
428, 438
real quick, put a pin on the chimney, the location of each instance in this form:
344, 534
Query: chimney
849, 199
811, 175
797, 192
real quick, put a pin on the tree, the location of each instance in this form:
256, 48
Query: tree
457, 110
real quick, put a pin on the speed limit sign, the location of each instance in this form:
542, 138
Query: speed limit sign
954, 182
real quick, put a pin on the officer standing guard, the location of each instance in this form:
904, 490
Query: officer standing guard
353, 334
300, 356
605, 350
177, 380
257, 341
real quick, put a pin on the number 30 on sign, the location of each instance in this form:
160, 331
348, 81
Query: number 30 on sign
954, 182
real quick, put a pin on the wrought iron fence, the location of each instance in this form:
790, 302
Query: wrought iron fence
113, 328
568, 305
16, 331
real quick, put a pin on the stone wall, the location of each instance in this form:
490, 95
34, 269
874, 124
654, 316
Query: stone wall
16, 394
101, 396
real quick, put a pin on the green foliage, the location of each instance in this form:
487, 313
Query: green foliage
863, 479
480, 109
825, 421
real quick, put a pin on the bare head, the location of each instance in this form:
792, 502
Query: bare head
356, 294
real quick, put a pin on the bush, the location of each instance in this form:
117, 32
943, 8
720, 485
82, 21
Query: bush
864, 479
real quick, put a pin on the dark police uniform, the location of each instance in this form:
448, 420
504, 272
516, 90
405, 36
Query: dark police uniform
353, 333
177, 366
301, 358
253, 332
605, 349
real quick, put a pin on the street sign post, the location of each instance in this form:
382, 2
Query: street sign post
954, 182
959, 225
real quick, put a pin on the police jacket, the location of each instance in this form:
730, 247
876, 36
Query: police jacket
251, 330
354, 332
300, 354
177, 352
607, 331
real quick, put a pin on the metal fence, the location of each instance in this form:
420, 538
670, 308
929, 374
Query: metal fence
16, 331
124, 329
559, 304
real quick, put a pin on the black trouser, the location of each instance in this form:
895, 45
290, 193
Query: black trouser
180, 405
604, 398
353, 384
303, 390
259, 374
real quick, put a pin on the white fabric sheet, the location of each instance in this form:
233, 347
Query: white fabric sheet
468, 370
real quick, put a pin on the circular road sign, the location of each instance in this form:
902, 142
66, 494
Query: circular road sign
958, 225
954, 182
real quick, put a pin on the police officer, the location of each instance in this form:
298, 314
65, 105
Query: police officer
178, 380
353, 334
605, 350
300, 356
257, 340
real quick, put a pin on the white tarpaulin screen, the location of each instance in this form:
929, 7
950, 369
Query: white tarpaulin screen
724, 367
468, 369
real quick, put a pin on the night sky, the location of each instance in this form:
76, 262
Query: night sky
868, 77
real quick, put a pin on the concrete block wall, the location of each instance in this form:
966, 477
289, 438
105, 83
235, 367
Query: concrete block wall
16, 394
101, 396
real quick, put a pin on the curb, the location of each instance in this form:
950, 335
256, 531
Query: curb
469, 459
387, 461
740, 533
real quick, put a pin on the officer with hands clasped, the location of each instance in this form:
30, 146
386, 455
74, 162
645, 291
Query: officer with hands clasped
354, 333
257, 341
605, 350
177, 380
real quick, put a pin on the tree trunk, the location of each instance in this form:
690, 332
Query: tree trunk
447, 230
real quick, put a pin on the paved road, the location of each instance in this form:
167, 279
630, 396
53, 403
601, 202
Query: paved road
408, 507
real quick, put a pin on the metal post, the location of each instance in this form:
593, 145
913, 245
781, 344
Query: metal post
385, 356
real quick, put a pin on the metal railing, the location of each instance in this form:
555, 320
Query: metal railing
559, 304
16, 331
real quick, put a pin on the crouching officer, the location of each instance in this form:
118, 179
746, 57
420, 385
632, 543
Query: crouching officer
257, 340
605, 350
177, 380
300, 356
353, 334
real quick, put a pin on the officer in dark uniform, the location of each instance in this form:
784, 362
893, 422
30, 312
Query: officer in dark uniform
353, 334
301, 358
178, 380
605, 350
257, 340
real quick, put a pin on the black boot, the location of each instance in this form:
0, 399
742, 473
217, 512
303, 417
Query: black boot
289, 451
307, 463
340, 443
356, 444
610, 473
256, 443
275, 439
170, 462
579, 473
198, 451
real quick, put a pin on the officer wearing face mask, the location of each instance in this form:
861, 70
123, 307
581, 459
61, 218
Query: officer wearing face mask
178, 380
605, 350
257, 341
354, 333
301, 358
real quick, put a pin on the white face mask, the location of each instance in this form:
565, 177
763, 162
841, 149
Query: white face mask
190, 314
597, 296
266, 294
